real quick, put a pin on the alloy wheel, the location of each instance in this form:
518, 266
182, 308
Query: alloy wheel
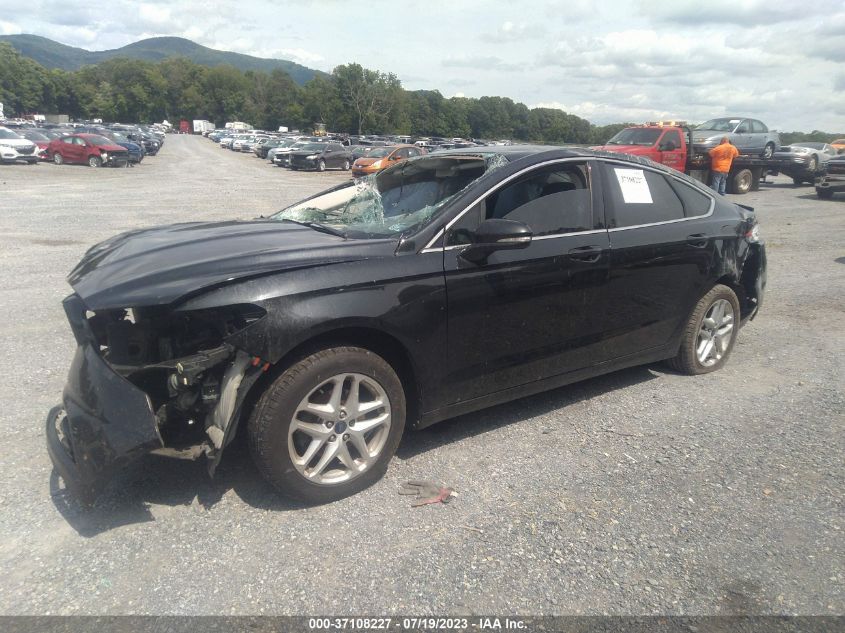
715, 333
339, 429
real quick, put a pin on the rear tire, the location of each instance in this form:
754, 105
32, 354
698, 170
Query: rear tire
741, 181
768, 151
311, 401
58, 158
708, 328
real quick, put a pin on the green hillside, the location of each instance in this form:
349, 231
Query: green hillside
51, 54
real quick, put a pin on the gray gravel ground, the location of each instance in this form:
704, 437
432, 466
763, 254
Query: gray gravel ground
642, 492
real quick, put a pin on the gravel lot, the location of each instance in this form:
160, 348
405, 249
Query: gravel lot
641, 492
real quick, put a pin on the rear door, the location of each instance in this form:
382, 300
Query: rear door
524, 315
661, 255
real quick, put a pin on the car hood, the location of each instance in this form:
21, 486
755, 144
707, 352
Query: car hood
303, 153
708, 134
17, 142
160, 265
365, 162
111, 147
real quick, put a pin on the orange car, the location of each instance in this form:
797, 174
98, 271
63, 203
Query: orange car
381, 157
838, 145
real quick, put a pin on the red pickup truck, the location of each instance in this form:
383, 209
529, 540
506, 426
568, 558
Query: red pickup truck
670, 145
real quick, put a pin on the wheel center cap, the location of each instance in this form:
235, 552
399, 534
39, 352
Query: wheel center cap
340, 427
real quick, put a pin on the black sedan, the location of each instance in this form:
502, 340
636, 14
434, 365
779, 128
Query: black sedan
442, 285
321, 156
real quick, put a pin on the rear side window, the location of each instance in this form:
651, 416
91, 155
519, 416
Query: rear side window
695, 202
640, 196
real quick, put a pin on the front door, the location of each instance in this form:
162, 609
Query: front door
524, 315
676, 157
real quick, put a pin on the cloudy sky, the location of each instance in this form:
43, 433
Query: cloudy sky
782, 61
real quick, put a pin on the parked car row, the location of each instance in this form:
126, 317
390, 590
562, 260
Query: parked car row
318, 153
97, 145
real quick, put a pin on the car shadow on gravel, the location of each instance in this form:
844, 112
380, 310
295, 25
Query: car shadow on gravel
157, 480
494, 418
165, 481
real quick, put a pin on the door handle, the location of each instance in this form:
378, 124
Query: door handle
586, 253
697, 240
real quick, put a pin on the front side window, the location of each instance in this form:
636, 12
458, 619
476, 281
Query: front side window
550, 201
641, 196
674, 137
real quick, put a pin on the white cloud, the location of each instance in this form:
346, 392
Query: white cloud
9, 28
617, 60
154, 14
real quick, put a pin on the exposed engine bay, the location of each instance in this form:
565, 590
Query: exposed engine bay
182, 361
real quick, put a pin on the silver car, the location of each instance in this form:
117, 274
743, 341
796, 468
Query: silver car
803, 160
750, 136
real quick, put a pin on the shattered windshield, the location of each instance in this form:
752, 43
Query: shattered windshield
635, 136
395, 201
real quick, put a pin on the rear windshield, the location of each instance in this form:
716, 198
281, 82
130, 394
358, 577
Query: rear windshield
636, 136
96, 139
313, 147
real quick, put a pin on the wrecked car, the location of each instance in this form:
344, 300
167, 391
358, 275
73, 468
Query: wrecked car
439, 286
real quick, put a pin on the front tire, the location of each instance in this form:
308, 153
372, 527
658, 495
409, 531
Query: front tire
813, 164
328, 426
710, 333
95, 161
346, 165
58, 158
321, 166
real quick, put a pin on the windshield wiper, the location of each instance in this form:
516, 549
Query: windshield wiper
322, 228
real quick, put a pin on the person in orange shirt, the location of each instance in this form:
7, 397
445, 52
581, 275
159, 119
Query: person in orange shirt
721, 158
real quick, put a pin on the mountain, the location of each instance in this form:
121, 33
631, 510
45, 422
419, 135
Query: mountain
51, 54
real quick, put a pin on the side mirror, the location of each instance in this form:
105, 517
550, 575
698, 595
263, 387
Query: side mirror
667, 146
494, 235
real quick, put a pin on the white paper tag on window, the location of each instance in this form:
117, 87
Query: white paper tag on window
634, 186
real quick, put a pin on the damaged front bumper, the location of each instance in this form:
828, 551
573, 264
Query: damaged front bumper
105, 421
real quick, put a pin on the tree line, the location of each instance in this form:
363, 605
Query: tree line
352, 99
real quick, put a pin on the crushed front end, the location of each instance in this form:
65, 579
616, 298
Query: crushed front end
144, 380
